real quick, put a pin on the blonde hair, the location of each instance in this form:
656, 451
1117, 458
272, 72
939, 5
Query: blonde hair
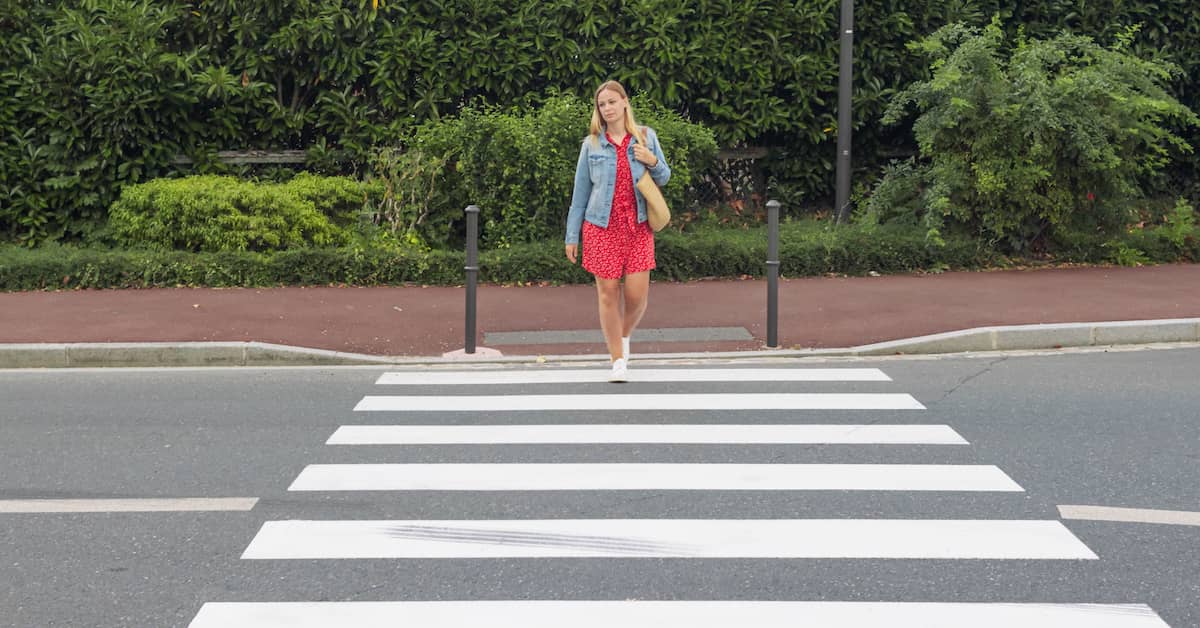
597, 126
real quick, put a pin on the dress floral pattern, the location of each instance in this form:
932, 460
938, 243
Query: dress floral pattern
626, 246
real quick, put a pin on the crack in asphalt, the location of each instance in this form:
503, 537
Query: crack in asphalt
987, 369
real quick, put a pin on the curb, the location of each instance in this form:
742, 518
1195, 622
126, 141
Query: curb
260, 354
1043, 336
117, 354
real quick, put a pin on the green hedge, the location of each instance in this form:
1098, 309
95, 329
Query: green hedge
808, 248
55, 267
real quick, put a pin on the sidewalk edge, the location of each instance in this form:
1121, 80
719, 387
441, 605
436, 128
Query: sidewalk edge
258, 354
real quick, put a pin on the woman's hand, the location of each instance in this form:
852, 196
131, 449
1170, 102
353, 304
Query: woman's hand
572, 252
644, 155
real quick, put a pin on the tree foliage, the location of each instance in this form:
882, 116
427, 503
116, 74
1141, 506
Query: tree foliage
100, 99
95, 94
1042, 134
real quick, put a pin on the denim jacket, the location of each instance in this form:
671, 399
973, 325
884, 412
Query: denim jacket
596, 177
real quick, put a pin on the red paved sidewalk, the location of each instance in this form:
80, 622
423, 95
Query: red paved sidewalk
418, 321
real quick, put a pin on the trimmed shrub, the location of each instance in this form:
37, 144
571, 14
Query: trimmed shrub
344, 201
214, 213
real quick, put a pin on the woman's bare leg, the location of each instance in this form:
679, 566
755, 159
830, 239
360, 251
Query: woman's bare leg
608, 292
637, 295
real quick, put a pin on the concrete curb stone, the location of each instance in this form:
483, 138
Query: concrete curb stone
258, 354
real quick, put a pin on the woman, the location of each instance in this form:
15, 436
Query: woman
609, 215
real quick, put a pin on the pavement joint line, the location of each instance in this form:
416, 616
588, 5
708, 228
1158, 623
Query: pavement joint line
194, 504
1130, 515
1020, 338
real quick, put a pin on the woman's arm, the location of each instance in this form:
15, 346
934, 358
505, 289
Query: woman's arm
661, 172
579, 197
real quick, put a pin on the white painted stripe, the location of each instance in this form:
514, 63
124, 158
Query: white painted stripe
690, 434
573, 376
501, 403
683, 538
127, 505
665, 477
1131, 515
654, 614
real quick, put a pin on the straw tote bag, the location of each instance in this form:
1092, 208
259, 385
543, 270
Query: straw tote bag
657, 212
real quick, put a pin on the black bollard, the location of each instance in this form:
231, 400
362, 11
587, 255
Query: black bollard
472, 273
773, 274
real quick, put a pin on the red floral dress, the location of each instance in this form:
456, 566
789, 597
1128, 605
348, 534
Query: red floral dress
626, 246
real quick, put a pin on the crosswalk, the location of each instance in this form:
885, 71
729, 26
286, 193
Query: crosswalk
657, 419
656, 477
702, 401
640, 614
745, 434
668, 538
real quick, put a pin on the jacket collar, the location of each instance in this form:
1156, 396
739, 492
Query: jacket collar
604, 143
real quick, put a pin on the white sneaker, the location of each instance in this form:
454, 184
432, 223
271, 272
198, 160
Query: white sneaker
619, 370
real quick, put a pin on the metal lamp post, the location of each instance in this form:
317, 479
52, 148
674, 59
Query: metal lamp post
845, 119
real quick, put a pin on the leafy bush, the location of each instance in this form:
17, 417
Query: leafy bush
518, 167
214, 213
1179, 226
410, 194
1052, 134
1177, 238
343, 200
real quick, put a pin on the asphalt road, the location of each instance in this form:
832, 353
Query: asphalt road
1115, 429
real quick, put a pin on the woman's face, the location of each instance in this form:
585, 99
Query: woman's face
612, 107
